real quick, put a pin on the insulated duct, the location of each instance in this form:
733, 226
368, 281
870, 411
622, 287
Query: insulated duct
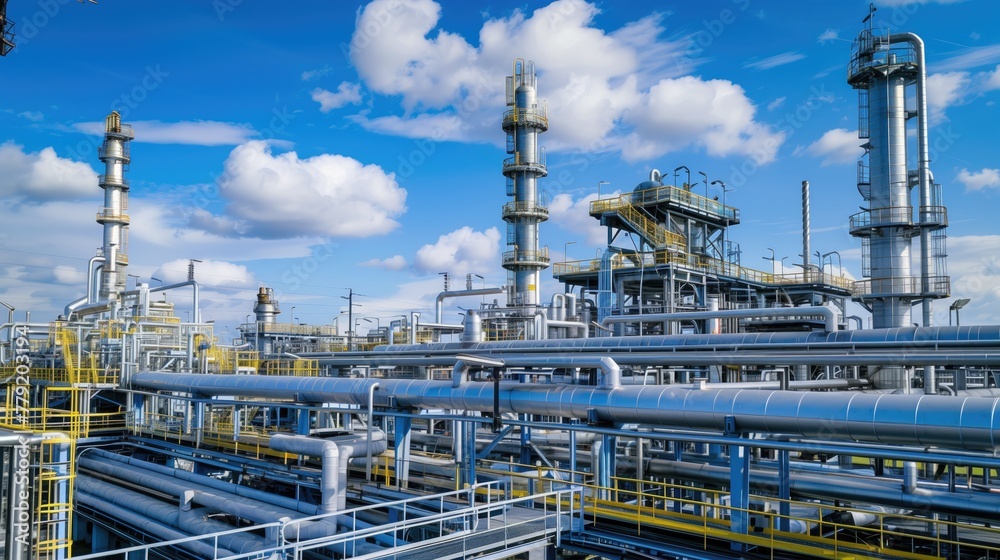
191, 522
841, 487
923, 420
977, 345
829, 315
336, 453
192, 480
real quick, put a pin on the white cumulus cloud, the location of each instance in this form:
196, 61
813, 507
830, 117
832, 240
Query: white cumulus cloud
208, 273
715, 114
347, 93
283, 195
41, 176
574, 216
945, 90
979, 180
395, 262
461, 251
599, 84
993, 79
837, 146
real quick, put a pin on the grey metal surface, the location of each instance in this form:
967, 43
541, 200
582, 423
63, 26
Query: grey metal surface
119, 501
974, 345
843, 486
929, 420
336, 454
523, 125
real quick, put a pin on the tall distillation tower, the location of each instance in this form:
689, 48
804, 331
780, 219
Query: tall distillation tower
522, 122
115, 155
882, 67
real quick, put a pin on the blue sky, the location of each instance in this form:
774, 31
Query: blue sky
318, 146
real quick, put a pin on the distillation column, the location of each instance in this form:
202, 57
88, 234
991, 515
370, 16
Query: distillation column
266, 312
115, 155
522, 122
881, 69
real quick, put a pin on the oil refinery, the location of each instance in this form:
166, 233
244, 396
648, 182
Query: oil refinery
669, 402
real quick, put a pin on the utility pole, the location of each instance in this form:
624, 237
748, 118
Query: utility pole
350, 315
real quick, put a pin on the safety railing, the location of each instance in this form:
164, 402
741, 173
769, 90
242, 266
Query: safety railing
110, 215
686, 198
522, 208
53, 489
654, 233
811, 528
934, 216
526, 257
716, 266
903, 286
892, 216
300, 367
463, 523
519, 162
532, 117
490, 523
872, 50
103, 180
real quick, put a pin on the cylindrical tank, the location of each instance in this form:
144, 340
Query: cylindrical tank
266, 309
473, 331
890, 200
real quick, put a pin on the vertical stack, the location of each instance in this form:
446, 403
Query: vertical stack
115, 155
882, 68
522, 122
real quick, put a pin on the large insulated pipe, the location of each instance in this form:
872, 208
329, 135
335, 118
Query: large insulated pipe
195, 297
156, 528
439, 301
191, 522
336, 454
245, 508
979, 344
330, 454
923, 163
840, 487
925, 184
90, 309
610, 378
248, 503
414, 317
924, 420
192, 480
543, 323
829, 315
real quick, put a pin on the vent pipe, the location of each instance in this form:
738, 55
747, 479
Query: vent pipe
805, 229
